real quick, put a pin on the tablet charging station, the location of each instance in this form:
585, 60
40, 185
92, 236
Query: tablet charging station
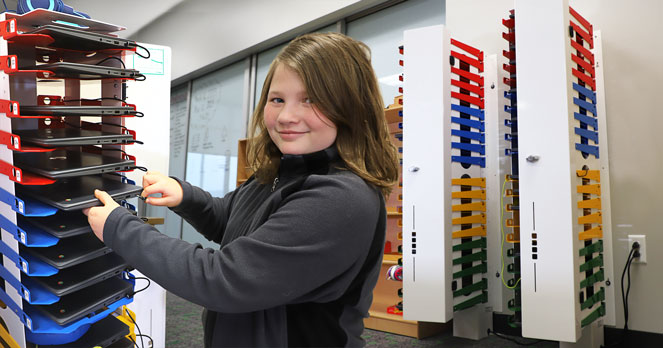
52, 269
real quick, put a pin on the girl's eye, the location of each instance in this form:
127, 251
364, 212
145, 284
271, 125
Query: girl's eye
308, 101
277, 100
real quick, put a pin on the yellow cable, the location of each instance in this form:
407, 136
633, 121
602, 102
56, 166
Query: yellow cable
502, 232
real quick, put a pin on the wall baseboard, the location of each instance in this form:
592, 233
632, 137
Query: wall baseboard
613, 336
639, 339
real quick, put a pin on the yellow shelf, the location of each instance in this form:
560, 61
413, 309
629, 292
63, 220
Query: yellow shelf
391, 258
391, 211
243, 171
380, 320
391, 114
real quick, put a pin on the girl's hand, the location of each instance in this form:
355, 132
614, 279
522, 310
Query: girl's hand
97, 216
169, 188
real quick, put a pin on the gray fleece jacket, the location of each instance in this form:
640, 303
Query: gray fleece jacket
298, 260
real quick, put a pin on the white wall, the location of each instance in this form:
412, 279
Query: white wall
211, 33
633, 52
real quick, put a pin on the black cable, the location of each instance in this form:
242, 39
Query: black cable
626, 271
124, 152
140, 334
140, 77
584, 174
145, 288
627, 268
109, 58
94, 99
151, 343
140, 55
625, 295
134, 342
504, 337
628, 290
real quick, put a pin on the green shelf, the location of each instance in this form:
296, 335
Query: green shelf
475, 244
592, 279
480, 256
592, 248
481, 285
482, 268
595, 262
481, 298
594, 299
597, 313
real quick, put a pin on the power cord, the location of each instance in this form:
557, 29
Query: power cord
146, 286
114, 58
134, 342
140, 55
635, 252
513, 340
140, 334
94, 99
118, 150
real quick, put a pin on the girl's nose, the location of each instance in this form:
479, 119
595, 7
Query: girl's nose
288, 114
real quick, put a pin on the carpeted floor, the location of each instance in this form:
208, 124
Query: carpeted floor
184, 330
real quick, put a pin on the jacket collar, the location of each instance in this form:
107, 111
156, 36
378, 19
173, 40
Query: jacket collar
312, 163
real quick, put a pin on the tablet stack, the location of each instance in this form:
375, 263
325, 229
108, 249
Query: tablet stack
63, 285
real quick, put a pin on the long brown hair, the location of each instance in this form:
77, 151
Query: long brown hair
340, 81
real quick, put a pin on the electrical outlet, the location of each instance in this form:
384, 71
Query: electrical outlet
640, 238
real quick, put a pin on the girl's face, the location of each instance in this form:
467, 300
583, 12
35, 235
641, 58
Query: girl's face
295, 125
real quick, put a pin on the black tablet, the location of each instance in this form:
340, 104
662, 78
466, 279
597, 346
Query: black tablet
54, 137
122, 343
81, 40
83, 275
63, 163
84, 71
78, 192
87, 301
69, 251
62, 224
103, 333
75, 110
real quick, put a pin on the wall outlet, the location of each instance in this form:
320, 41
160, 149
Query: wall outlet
640, 238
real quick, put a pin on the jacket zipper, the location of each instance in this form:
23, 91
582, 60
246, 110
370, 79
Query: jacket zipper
276, 181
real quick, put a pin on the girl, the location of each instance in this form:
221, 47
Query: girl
302, 239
